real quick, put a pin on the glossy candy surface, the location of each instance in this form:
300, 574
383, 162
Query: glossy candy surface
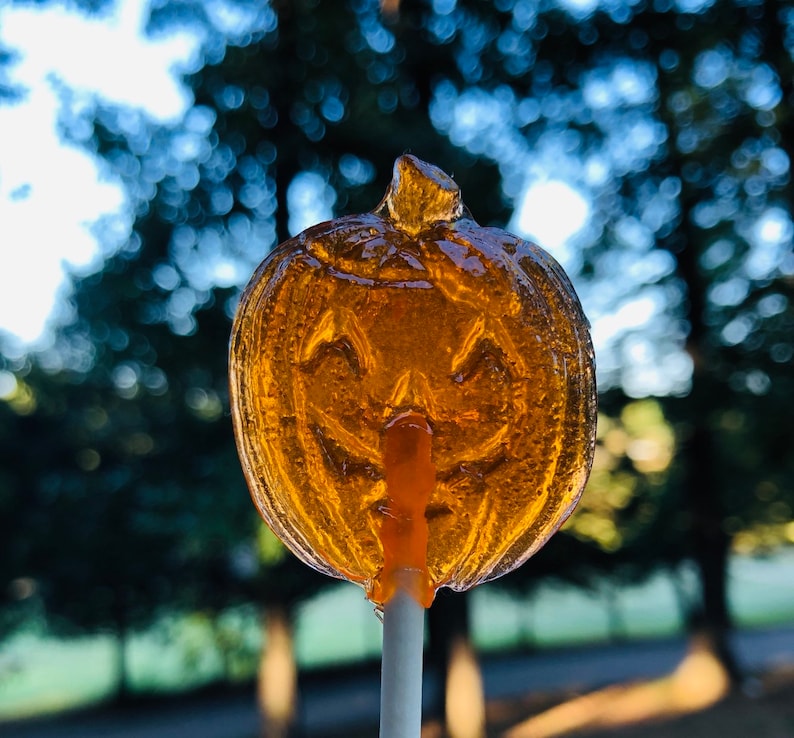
413, 395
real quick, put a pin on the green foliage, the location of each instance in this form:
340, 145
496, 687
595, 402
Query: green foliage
674, 120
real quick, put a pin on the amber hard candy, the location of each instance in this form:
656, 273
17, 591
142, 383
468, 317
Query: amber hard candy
413, 394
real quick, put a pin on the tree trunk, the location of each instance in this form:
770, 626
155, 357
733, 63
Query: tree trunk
120, 617
289, 139
277, 687
122, 682
464, 699
710, 544
711, 549
616, 623
685, 598
451, 656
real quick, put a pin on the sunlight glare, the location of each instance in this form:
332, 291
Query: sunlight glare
698, 682
552, 213
310, 200
773, 228
51, 192
631, 315
92, 54
465, 703
579, 8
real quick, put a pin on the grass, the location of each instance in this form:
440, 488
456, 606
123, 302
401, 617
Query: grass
40, 674
690, 702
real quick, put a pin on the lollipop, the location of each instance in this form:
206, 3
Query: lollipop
412, 333
413, 395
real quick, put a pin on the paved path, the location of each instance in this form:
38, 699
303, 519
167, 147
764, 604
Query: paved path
354, 702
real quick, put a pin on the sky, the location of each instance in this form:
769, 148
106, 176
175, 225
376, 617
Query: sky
51, 192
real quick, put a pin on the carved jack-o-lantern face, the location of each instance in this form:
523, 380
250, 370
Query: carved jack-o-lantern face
413, 311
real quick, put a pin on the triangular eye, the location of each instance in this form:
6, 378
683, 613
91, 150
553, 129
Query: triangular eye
485, 356
479, 350
337, 331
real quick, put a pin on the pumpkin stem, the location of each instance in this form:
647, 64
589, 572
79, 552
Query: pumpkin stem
420, 195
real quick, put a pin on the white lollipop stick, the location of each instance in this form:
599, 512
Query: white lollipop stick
401, 669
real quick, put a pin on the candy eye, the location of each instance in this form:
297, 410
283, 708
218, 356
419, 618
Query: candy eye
341, 348
486, 360
480, 355
337, 334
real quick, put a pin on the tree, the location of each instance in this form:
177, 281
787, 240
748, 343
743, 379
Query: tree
273, 119
672, 121
154, 513
677, 123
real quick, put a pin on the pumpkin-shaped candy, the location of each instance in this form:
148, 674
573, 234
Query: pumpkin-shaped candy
413, 395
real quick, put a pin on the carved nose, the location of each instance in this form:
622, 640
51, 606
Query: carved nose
412, 392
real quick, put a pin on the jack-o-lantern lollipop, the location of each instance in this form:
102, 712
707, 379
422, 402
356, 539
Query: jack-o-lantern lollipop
413, 394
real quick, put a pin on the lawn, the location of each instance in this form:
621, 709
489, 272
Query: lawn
39, 674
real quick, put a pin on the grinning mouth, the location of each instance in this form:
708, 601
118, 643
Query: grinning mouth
434, 511
348, 456
477, 469
345, 451
437, 510
342, 462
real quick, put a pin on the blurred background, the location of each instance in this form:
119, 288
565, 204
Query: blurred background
152, 153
